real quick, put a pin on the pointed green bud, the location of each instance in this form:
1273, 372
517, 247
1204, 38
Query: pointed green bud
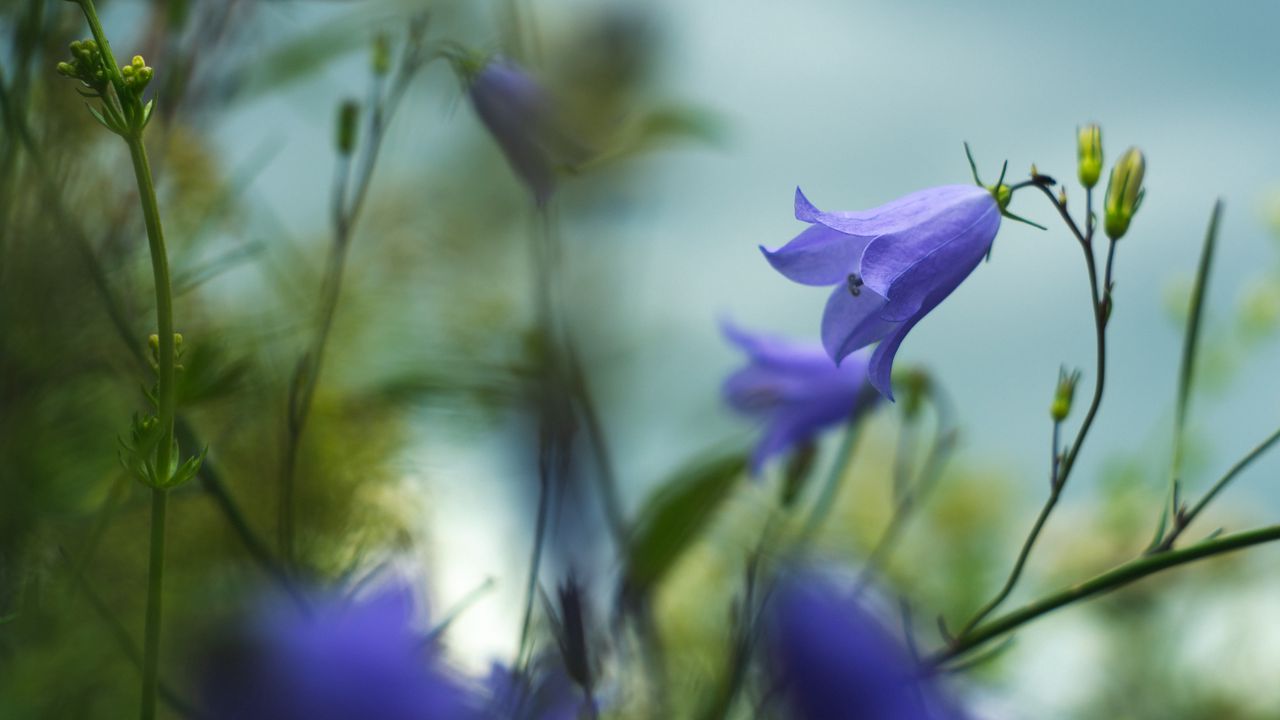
138, 63
381, 60
1064, 394
1124, 192
348, 120
67, 69
1090, 149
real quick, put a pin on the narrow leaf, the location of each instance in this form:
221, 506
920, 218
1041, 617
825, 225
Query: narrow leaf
675, 515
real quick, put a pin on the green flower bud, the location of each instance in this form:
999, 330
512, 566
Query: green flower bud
138, 63
1090, 148
127, 71
1002, 194
348, 120
381, 59
1064, 394
144, 76
1124, 192
67, 69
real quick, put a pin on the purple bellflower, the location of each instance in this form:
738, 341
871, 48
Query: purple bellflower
890, 265
339, 660
833, 660
795, 388
516, 110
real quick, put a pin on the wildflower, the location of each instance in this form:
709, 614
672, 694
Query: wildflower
832, 659
891, 265
516, 111
339, 660
795, 388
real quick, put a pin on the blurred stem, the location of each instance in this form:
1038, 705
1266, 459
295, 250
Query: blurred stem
346, 205
1129, 572
121, 635
821, 508
1101, 302
909, 499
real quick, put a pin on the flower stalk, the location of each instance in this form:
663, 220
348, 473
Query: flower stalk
123, 113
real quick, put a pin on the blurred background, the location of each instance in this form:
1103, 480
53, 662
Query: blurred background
701, 118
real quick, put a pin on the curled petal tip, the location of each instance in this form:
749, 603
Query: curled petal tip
805, 211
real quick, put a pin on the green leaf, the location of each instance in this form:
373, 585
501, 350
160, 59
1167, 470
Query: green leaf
187, 470
676, 514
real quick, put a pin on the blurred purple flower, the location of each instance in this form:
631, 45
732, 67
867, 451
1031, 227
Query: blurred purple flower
516, 111
891, 265
832, 660
340, 660
795, 388
544, 692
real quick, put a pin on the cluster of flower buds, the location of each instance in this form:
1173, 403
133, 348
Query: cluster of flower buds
86, 64
1124, 189
136, 74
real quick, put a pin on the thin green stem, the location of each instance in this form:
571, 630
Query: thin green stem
1120, 576
1100, 303
822, 506
345, 208
155, 590
1184, 520
166, 398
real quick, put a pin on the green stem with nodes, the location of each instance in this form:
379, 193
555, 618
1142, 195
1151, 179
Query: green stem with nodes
1129, 572
166, 362
1101, 301
166, 398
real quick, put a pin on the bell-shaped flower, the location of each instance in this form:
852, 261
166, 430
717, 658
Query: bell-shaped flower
890, 265
831, 658
516, 110
795, 389
337, 660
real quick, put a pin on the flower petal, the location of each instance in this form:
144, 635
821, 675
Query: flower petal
817, 256
793, 423
880, 372
850, 322
954, 234
895, 216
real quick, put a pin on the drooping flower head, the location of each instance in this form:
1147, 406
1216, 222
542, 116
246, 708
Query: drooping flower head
516, 110
890, 265
795, 389
832, 659
337, 660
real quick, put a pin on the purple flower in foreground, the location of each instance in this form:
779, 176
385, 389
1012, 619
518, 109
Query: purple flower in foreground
795, 388
544, 692
833, 661
339, 660
516, 111
891, 265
